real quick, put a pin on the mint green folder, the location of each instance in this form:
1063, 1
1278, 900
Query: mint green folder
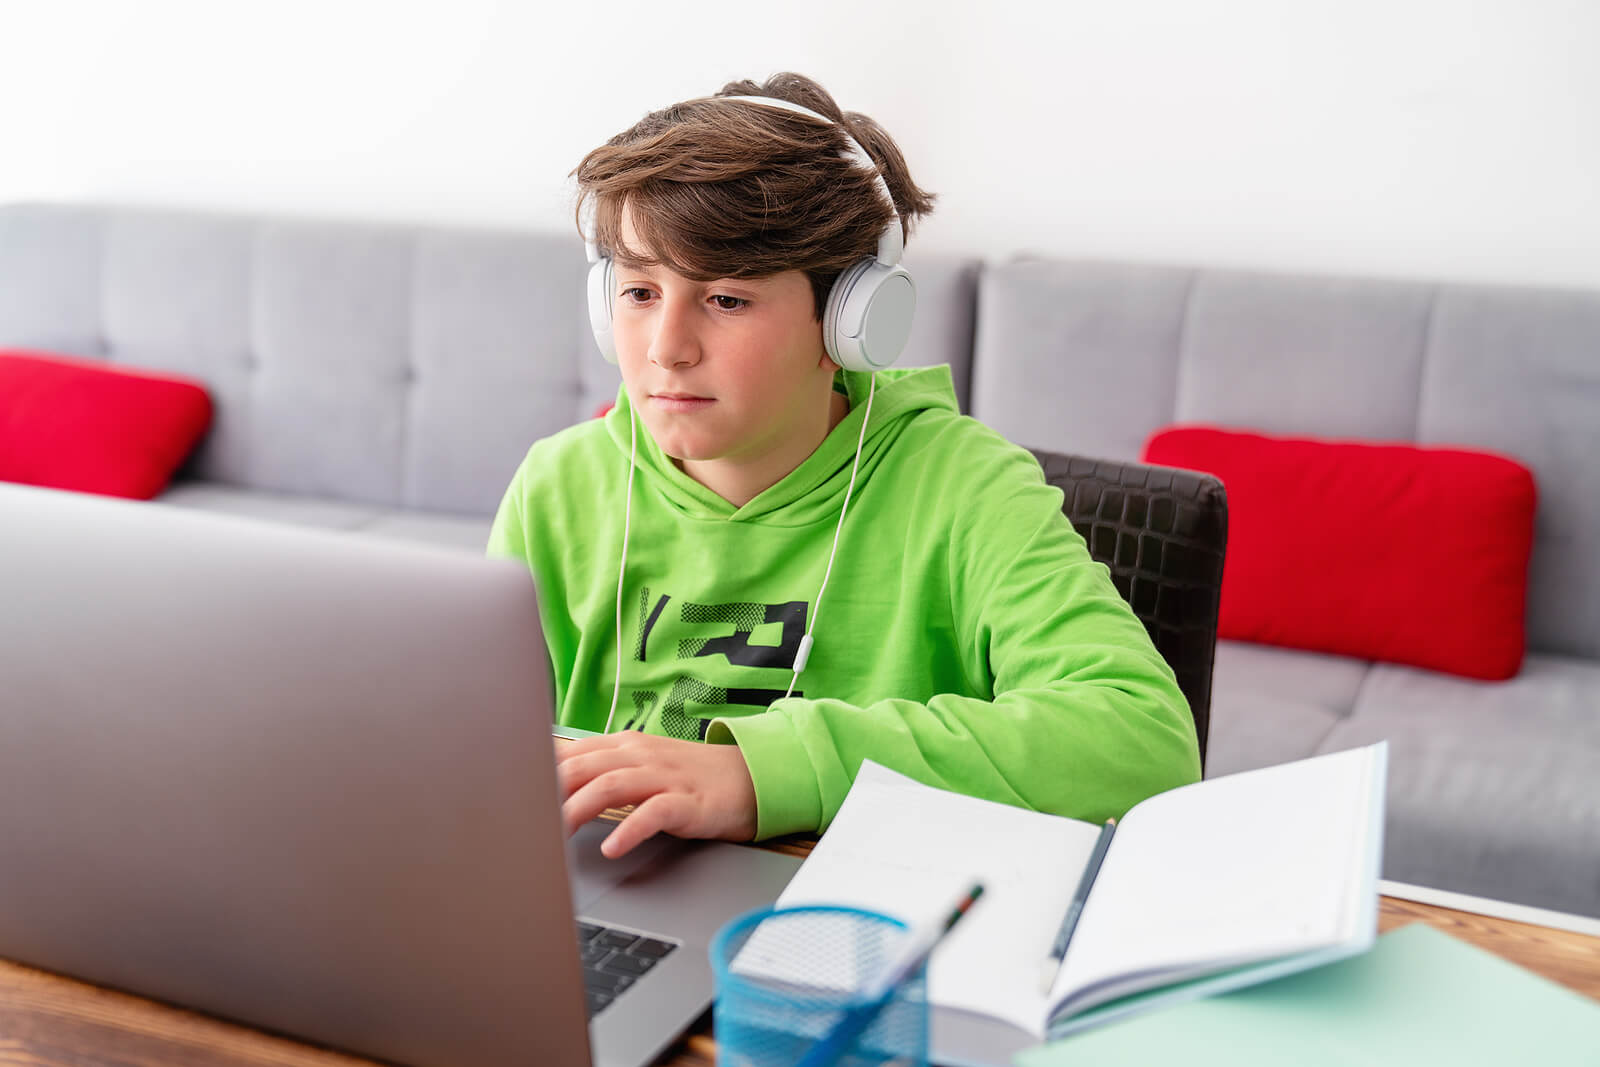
1419, 996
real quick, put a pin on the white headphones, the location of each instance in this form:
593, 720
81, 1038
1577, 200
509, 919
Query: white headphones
867, 318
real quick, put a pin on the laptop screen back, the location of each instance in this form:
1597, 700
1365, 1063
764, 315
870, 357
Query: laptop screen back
298, 779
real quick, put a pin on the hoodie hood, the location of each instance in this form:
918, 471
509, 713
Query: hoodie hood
814, 490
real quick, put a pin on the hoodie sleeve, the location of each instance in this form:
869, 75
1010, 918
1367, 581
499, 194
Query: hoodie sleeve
1085, 718
507, 537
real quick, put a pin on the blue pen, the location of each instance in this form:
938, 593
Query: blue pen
1069, 922
836, 1042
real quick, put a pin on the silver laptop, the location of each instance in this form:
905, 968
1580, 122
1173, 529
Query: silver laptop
305, 781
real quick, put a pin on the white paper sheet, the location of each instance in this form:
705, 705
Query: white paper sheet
906, 849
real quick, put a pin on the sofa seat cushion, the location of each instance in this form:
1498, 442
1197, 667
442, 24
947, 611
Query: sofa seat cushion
319, 512
1273, 705
468, 533
1492, 787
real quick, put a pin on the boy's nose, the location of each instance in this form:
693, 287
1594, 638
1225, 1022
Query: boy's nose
674, 343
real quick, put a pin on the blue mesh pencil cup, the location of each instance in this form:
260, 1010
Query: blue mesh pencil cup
786, 977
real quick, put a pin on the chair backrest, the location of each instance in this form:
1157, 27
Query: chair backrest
1163, 533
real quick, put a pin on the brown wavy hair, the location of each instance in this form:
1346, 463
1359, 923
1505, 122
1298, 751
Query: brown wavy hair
725, 189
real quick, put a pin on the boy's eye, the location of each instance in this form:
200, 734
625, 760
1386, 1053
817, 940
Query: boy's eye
730, 303
636, 295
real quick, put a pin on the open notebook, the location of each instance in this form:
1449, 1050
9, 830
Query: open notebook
1206, 887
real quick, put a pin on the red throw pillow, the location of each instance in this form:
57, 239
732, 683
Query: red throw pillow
1382, 551
79, 424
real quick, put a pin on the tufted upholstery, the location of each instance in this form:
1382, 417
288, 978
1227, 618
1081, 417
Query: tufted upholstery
1163, 534
1091, 358
379, 364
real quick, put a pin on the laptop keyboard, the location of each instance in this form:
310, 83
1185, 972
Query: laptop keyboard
613, 959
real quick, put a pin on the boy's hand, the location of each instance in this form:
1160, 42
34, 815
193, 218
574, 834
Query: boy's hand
684, 788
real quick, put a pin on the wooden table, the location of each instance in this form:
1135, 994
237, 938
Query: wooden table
50, 1021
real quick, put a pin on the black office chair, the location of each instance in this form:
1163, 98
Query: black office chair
1163, 532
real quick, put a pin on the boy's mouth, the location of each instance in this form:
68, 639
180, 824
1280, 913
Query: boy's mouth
680, 402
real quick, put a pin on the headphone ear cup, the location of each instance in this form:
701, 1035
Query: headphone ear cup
601, 291
867, 319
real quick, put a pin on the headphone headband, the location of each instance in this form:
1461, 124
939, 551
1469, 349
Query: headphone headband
892, 242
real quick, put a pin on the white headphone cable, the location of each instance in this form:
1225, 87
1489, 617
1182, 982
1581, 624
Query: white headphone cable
622, 569
805, 642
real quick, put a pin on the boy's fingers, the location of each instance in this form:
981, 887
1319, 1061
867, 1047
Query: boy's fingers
568, 749
662, 812
610, 789
578, 770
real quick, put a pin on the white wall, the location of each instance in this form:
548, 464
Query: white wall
1426, 138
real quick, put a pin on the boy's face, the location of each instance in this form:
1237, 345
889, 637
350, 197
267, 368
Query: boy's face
729, 373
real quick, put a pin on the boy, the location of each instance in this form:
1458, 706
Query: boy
969, 640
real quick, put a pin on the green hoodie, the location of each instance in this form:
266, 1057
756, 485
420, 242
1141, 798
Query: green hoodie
965, 637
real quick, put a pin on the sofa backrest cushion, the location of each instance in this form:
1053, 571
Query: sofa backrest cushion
1092, 358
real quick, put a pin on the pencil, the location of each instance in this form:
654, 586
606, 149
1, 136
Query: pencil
1069, 922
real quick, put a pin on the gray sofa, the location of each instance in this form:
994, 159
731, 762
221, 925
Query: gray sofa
387, 379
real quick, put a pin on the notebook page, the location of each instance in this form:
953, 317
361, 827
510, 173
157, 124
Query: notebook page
906, 849
1250, 866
